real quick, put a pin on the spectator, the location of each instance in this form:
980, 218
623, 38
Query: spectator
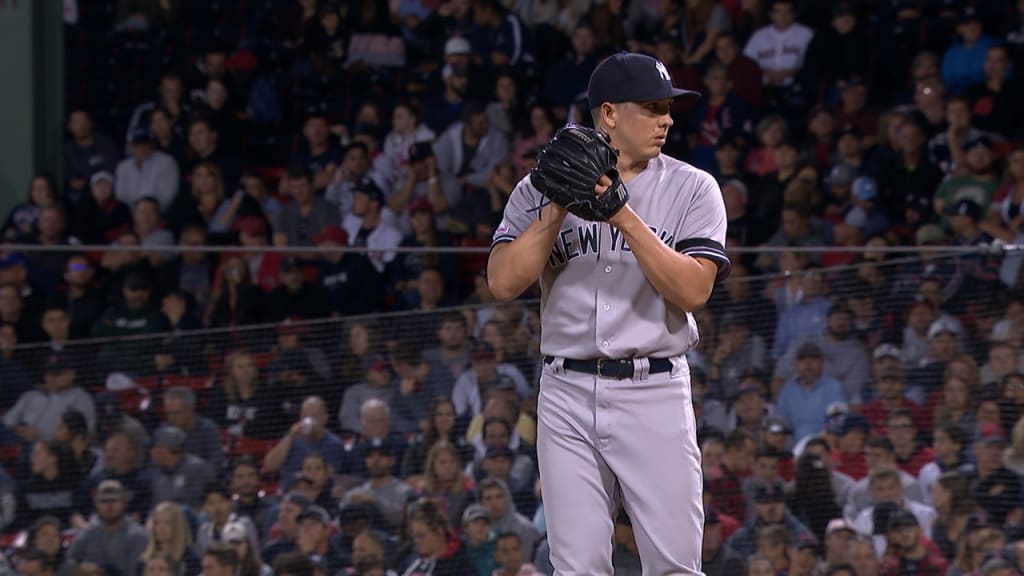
812, 500
407, 130
770, 510
879, 455
355, 169
243, 401
45, 546
147, 173
885, 488
136, 317
735, 468
123, 460
964, 62
890, 394
379, 384
178, 476
446, 107
954, 506
948, 442
249, 500
844, 356
314, 541
990, 98
295, 297
315, 480
440, 426
306, 436
23, 220
37, 413
112, 539
202, 438
306, 216
722, 112
281, 538
170, 535
53, 487
389, 494
484, 372
220, 559
568, 76
478, 539
166, 134
205, 147
430, 534
249, 563
804, 398
218, 521
420, 187
235, 300
908, 550
317, 153
367, 228
902, 432
444, 480
994, 487
909, 183
351, 284
510, 555
780, 49
471, 148
803, 556
718, 559
73, 430
85, 153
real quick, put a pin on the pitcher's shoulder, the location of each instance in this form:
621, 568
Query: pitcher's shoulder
684, 171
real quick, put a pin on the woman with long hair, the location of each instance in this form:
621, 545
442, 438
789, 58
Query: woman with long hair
438, 549
954, 504
956, 403
973, 548
240, 403
170, 534
160, 564
440, 428
46, 535
23, 220
812, 500
316, 481
445, 482
536, 128
211, 207
235, 300
359, 345
53, 488
948, 443
166, 134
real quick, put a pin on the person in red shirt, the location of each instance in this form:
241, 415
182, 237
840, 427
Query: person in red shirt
849, 447
907, 553
890, 386
911, 455
744, 74
736, 462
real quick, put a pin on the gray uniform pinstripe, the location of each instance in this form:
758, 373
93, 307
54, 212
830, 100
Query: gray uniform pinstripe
598, 437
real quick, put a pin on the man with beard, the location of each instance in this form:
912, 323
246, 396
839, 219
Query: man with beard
247, 496
770, 510
113, 540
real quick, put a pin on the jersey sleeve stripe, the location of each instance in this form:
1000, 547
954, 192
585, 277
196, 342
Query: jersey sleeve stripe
707, 248
502, 239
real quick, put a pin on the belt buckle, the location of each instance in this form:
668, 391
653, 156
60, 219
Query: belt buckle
622, 368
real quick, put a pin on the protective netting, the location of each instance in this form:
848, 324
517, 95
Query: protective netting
914, 361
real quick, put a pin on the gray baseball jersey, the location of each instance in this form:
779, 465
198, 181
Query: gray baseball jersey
595, 300
599, 438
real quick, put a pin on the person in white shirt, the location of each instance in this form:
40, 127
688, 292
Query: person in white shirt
885, 487
147, 172
366, 225
779, 48
484, 373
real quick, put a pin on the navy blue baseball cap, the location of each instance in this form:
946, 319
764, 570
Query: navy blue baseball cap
631, 77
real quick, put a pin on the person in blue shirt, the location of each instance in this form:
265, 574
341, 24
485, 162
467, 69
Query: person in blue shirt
805, 398
964, 62
307, 436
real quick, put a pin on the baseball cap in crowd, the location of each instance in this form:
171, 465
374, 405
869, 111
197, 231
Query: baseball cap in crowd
776, 425
110, 491
965, 207
842, 9
455, 46
891, 373
101, 175
499, 450
299, 499
991, 434
315, 513
475, 512
887, 351
865, 189
808, 350
841, 175
880, 516
252, 226
332, 233
138, 280
983, 141
943, 325
930, 235
632, 77
849, 129
854, 422
370, 188
977, 521
421, 205
233, 532
838, 525
901, 518
140, 135
749, 387
381, 446
805, 542
504, 383
420, 151
769, 491
169, 437
13, 260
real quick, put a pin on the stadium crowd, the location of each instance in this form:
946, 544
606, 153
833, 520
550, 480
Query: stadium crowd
175, 411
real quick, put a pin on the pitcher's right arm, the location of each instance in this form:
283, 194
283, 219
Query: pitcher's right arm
516, 262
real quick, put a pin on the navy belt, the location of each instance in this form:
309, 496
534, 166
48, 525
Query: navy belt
611, 368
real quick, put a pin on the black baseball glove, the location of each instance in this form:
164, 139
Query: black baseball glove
569, 167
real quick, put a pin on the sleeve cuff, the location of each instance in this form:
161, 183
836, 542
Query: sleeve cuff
709, 249
501, 240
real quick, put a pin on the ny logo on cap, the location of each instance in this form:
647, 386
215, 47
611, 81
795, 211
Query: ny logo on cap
662, 71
